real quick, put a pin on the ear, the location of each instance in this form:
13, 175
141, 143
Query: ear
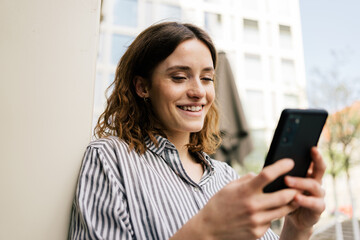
141, 87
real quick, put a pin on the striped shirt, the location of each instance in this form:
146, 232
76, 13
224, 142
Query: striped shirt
125, 195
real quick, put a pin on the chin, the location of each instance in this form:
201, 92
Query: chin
196, 129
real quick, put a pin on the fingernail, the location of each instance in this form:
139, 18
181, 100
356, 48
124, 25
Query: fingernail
290, 162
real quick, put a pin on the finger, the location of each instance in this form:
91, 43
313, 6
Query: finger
310, 170
276, 199
248, 176
319, 165
275, 213
244, 179
315, 204
305, 185
240, 182
271, 172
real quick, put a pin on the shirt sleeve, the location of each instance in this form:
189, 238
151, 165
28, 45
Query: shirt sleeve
99, 209
270, 235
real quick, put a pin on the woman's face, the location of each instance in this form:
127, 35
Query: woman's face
182, 88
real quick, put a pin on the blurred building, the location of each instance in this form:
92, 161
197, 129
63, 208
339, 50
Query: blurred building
262, 40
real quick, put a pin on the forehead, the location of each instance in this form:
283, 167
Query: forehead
191, 53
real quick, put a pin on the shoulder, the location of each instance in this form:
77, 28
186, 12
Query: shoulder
108, 149
108, 145
108, 142
102, 161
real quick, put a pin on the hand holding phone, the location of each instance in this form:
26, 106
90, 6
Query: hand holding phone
297, 132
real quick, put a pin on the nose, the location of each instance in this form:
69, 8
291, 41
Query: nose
196, 89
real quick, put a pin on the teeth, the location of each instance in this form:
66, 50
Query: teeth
191, 108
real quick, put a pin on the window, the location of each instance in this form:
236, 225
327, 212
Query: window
119, 45
251, 31
126, 18
288, 71
158, 12
213, 25
252, 67
285, 39
100, 55
99, 98
109, 81
291, 101
255, 108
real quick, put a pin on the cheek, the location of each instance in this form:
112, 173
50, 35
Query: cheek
164, 97
211, 94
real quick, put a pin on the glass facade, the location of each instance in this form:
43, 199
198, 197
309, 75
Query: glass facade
119, 44
128, 18
161, 12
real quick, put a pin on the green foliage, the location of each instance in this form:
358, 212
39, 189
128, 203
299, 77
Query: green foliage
254, 161
341, 140
334, 160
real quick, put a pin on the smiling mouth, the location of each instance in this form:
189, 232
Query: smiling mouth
191, 108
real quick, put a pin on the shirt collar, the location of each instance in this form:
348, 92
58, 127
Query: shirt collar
158, 148
206, 160
165, 143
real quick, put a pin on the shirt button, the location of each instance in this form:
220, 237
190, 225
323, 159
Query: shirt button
196, 189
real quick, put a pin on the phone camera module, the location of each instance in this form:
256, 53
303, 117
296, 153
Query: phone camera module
288, 135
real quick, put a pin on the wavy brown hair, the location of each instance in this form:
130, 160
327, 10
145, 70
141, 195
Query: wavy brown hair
130, 117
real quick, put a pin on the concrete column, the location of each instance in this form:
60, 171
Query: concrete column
47, 60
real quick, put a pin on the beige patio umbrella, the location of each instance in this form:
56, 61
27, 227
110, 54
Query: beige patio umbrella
237, 142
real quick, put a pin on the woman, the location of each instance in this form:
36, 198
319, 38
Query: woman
148, 175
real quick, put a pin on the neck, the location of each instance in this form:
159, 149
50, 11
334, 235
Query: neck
192, 167
180, 140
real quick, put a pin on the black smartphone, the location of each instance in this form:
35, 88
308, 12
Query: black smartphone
298, 130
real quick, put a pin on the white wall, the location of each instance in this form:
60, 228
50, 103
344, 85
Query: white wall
47, 71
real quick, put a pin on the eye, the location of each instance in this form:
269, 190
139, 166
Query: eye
207, 79
178, 78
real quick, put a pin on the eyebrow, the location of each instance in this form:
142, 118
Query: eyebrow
186, 68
